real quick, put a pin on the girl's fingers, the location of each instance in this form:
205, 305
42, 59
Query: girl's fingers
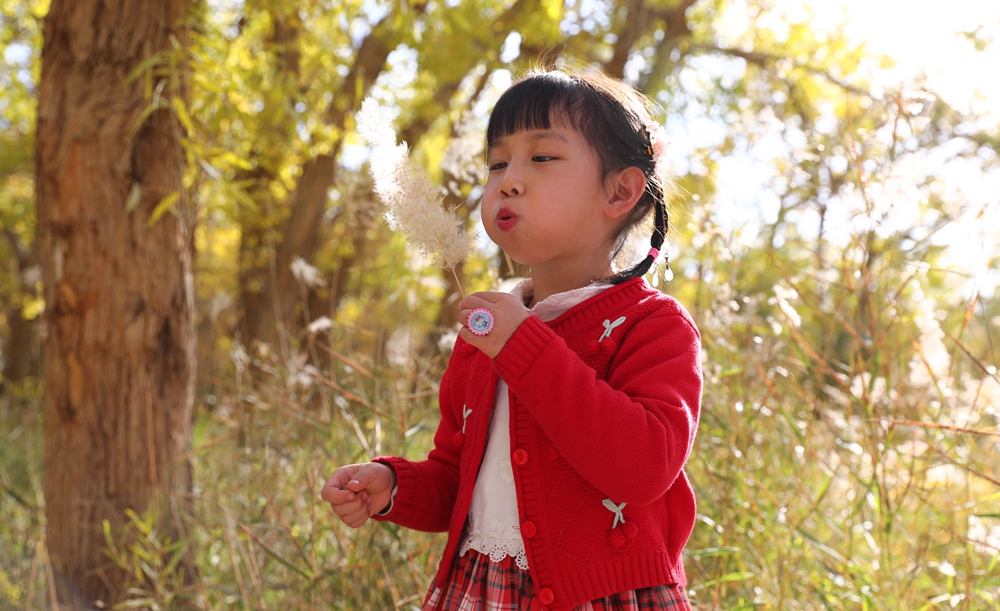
489, 296
336, 496
354, 520
467, 336
345, 509
483, 299
335, 490
463, 317
471, 302
354, 514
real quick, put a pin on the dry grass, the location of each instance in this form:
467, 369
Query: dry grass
847, 456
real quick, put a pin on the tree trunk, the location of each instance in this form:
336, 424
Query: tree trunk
120, 352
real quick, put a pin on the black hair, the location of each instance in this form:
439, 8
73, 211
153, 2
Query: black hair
612, 117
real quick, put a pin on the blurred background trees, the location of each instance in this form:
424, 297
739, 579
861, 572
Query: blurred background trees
843, 279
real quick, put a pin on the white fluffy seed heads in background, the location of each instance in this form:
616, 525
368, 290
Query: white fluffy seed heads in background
413, 205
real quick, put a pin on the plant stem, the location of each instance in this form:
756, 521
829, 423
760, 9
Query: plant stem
457, 281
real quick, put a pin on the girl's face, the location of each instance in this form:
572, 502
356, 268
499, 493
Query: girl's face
544, 202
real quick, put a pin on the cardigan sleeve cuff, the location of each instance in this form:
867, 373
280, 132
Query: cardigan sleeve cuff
393, 463
521, 350
392, 499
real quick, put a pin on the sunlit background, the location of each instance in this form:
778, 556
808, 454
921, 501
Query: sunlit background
835, 234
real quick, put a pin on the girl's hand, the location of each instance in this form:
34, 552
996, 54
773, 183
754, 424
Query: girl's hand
508, 314
357, 492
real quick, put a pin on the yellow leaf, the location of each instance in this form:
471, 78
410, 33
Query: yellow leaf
167, 203
134, 195
182, 114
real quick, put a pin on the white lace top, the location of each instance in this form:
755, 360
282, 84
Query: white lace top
493, 528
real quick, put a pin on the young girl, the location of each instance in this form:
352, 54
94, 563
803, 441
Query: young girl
569, 406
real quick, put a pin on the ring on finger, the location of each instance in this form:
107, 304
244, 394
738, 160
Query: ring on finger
480, 321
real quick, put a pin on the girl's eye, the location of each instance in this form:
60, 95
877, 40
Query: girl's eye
498, 166
542, 158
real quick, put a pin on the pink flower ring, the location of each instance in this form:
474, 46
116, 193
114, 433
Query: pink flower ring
480, 321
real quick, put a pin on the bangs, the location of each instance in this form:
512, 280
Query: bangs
531, 103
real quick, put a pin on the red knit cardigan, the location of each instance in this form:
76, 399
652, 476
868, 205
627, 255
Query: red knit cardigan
604, 406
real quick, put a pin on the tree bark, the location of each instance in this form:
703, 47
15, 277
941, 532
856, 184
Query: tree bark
120, 350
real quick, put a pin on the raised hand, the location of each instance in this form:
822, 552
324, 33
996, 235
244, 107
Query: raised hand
508, 314
357, 492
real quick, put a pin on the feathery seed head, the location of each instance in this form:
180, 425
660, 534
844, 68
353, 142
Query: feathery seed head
414, 206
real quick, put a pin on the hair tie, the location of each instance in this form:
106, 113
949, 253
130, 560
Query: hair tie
653, 253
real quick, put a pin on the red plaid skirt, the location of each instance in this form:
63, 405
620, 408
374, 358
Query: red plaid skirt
477, 584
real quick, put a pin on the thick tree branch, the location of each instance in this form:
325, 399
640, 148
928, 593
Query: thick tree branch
768, 60
636, 23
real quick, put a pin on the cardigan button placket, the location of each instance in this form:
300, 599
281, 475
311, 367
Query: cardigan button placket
528, 529
553, 453
546, 596
519, 457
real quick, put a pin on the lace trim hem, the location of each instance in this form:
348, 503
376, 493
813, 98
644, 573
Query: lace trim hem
497, 547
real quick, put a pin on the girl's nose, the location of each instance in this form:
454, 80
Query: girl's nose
512, 184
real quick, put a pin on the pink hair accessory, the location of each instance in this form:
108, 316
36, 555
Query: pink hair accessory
658, 148
653, 253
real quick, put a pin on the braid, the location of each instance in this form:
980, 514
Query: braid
660, 226
656, 241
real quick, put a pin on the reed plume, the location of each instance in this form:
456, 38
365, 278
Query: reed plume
414, 205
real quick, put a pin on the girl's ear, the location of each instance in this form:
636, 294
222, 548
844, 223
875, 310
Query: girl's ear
626, 188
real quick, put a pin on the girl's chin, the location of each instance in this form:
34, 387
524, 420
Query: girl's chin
513, 256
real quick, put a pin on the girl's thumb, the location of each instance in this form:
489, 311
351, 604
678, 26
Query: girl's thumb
361, 479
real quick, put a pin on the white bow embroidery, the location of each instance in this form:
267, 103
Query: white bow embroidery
465, 416
615, 509
609, 327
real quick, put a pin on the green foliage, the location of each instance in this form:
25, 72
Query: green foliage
843, 450
266, 441
21, 502
152, 562
20, 41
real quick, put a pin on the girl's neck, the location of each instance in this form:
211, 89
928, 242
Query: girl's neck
546, 282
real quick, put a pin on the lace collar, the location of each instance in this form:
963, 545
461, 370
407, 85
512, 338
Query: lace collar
556, 305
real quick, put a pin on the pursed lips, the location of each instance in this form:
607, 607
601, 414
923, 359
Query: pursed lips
505, 219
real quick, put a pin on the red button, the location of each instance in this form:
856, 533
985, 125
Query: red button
520, 457
546, 596
528, 529
553, 453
